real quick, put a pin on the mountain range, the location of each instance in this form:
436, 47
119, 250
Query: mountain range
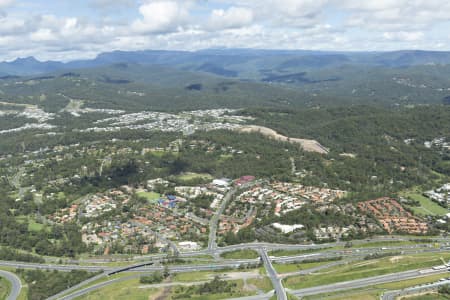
234, 62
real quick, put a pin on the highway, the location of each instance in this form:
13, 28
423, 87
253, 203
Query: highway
354, 253
276, 281
346, 254
78, 286
364, 282
272, 274
16, 284
273, 246
92, 288
392, 295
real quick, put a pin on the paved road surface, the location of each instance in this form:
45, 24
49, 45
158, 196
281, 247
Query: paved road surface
276, 281
212, 244
360, 283
413, 290
16, 284
96, 287
75, 287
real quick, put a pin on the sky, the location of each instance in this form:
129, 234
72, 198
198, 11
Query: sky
79, 29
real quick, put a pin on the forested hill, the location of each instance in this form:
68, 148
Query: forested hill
137, 87
246, 77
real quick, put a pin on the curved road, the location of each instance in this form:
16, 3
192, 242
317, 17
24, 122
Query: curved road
16, 284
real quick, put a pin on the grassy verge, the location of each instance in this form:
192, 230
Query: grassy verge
374, 292
193, 276
240, 254
369, 268
24, 291
128, 289
279, 253
428, 296
385, 244
264, 284
288, 268
5, 288
103, 279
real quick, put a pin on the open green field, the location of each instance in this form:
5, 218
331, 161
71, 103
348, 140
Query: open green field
5, 288
240, 254
386, 244
264, 283
288, 268
128, 289
193, 276
158, 153
427, 206
368, 268
374, 292
150, 196
32, 224
192, 176
279, 253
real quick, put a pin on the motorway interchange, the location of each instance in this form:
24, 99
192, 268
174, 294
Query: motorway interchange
151, 263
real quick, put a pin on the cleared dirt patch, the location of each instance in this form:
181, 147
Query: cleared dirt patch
307, 145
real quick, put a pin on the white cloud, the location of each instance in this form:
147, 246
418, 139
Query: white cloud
299, 8
160, 16
108, 4
6, 3
233, 17
197, 24
404, 36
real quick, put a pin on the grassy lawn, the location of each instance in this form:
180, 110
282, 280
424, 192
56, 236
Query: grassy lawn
158, 153
279, 253
427, 206
32, 224
150, 196
128, 289
288, 268
385, 244
374, 292
369, 268
240, 254
193, 276
263, 283
5, 287
191, 176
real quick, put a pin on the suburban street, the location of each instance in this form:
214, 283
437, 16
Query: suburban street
212, 244
16, 284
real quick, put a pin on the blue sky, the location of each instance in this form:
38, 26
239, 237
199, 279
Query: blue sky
74, 29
